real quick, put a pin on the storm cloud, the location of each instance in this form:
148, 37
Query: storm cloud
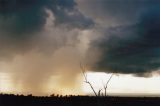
41, 36
21, 21
132, 48
52, 37
23, 16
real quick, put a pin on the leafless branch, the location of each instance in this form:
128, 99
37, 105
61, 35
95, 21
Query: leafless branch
106, 85
83, 68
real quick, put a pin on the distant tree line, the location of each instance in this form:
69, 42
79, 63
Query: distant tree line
71, 100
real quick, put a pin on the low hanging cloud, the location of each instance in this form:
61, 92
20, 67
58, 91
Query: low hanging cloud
131, 49
128, 35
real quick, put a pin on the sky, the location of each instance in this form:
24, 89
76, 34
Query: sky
43, 42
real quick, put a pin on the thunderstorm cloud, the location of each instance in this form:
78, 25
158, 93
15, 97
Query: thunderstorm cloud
52, 37
132, 45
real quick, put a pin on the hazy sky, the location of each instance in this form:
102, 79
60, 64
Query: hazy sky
42, 43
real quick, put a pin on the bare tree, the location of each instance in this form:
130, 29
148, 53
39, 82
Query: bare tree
83, 68
105, 86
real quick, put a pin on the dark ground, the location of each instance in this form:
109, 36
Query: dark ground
20, 100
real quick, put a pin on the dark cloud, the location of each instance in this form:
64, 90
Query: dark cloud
70, 16
22, 21
115, 12
134, 48
23, 16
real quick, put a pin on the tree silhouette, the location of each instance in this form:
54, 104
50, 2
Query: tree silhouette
83, 68
105, 86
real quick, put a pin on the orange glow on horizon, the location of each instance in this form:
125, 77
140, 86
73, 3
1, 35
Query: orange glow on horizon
118, 84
